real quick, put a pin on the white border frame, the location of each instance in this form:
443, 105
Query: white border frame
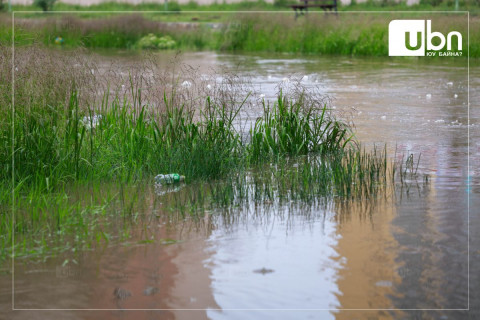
219, 309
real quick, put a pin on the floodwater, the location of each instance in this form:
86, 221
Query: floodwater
407, 256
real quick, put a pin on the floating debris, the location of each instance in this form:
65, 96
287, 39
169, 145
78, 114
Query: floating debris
263, 271
150, 291
166, 183
186, 84
121, 294
384, 283
171, 178
59, 40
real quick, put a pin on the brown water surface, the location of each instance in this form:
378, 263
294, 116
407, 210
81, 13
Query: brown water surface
407, 250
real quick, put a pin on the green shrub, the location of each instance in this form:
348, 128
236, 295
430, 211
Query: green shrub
173, 6
433, 3
151, 41
282, 3
45, 5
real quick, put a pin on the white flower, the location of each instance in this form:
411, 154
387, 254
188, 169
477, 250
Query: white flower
209, 87
186, 84
262, 96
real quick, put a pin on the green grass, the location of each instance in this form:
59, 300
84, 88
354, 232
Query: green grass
355, 34
55, 146
358, 34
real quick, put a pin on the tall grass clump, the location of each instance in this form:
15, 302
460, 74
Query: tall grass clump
354, 34
278, 33
72, 126
292, 128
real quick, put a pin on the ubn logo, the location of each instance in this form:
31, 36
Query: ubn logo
408, 38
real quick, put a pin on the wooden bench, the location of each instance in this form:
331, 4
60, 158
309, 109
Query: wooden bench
303, 6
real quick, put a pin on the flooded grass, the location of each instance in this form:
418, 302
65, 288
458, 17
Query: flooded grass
68, 138
352, 174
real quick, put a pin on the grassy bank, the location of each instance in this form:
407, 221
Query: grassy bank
357, 34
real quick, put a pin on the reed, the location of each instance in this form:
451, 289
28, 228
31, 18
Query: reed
292, 128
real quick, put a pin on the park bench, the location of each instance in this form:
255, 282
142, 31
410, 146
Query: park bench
302, 7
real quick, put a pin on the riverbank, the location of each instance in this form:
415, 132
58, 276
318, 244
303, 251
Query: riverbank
352, 33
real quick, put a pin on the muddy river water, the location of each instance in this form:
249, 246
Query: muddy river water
405, 257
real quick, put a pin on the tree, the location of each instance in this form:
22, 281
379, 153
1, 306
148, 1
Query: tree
46, 5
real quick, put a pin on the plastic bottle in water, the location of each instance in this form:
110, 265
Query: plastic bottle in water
169, 178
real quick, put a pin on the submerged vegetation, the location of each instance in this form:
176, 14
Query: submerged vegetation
90, 127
